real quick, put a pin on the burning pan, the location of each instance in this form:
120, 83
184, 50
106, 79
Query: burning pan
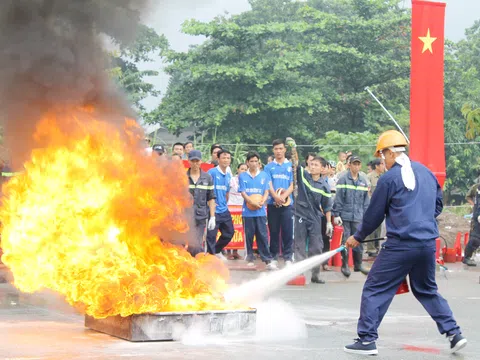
171, 325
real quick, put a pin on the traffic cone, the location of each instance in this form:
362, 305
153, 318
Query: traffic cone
298, 281
335, 244
403, 288
458, 246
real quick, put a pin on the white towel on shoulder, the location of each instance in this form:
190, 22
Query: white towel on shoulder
408, 176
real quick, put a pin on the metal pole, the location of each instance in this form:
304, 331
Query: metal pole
388, 113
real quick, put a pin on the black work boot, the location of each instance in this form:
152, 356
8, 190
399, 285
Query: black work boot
316, 276
357, 263
467, 259
345, 269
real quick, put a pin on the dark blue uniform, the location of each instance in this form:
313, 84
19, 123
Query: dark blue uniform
409, 250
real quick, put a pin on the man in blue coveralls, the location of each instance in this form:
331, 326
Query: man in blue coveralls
411, 199
223, 219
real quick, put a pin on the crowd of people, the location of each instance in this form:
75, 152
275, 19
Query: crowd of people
328, 193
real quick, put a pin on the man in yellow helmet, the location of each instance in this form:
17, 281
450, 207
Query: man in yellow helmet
411, 199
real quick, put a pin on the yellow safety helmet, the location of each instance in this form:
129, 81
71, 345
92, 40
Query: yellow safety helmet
389, 139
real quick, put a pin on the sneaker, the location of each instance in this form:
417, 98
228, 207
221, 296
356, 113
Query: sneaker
362, 348
274, 262
271, 266
221, 257
288, 263
251, 264
457, 342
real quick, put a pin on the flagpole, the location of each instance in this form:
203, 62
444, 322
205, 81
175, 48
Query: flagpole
388, 113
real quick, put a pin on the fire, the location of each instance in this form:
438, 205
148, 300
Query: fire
87, 216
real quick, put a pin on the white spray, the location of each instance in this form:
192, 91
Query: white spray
256, 290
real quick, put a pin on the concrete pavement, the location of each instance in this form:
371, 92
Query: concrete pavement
311, 322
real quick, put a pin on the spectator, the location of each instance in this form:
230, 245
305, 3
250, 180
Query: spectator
280, 209
223, 218
235, 198
342, 157
369, 167
187, 147
472, 192
269, 159
214, 150
332, 176
351, 202
148, 148
254, 185
378, 166
202, 191
339, 168
177, 148
159, 150
308, 158
176, 157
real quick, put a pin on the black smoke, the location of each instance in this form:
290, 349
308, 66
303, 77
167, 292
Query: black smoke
51, 57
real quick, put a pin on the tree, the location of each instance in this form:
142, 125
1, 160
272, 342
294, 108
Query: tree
462, 90
124, 66
290, 68
361, 144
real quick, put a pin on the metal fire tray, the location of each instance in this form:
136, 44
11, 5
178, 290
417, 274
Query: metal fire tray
171, 325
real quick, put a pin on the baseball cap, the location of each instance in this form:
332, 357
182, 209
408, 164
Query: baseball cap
355, 158
158, 148
195, 155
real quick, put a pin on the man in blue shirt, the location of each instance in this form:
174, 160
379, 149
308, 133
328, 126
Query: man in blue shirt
411, 199
223, 219
280, 209
254, 186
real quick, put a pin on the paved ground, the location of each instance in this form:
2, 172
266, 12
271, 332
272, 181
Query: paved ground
311, 322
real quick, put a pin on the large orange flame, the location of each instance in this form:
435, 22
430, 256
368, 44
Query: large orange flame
86, 217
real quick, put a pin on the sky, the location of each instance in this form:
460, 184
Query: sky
167, 17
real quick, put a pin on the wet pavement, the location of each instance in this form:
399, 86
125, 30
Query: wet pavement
308, 322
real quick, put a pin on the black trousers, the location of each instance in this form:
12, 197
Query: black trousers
308, 234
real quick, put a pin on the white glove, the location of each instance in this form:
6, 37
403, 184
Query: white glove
338, 221
478, 218
329, 230
211, 223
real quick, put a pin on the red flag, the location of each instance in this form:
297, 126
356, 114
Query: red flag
426, 89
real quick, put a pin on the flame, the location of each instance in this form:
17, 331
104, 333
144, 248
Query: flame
94, 218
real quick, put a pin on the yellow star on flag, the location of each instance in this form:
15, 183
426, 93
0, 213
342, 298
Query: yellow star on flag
427, 42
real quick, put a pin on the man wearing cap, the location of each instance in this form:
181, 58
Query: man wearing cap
202, 190
411, 199
158, 150
351, 201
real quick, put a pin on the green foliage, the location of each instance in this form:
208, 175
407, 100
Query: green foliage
125, 71
290, 68
462, 92
472, 115
360, 143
